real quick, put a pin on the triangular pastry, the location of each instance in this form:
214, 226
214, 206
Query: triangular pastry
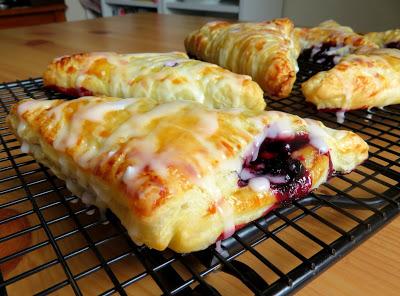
178, 174
160, 76
359, 81
267, 51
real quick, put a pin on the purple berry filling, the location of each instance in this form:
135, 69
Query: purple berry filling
319, 55
274, 159
395, 44
74, 92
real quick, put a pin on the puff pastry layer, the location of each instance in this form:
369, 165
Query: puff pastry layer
388, 39
329, 42
177, 174
359, 81
266, 51
161, 76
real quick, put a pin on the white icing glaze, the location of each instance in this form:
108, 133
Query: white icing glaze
281, 128
278, 179
111, 153
36, 104
25, 147
245, 174
97, 112
28, 105
21, 127
146, 147
93, 111
226, 213
259, 184
208, 123
72, 186
130, 173
296, 67
315, 50
218, 247
340, 116
88, 198
317, 136
339, 52
336, 59
255, 147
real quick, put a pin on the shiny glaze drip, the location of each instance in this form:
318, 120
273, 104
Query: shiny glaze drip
340, 116
240, 226
340, 112
288, 177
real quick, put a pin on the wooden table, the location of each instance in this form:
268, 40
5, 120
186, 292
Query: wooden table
371, 269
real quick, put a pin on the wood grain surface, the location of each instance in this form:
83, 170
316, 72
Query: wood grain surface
371, 269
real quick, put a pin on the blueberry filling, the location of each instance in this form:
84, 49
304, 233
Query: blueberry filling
288, 177
395, 44
324, 55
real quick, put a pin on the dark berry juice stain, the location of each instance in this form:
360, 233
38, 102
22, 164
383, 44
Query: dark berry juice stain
37, 42
274, 159
320, 56
73, 92
393, 45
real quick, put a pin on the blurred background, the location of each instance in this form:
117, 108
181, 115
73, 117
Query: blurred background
361, 15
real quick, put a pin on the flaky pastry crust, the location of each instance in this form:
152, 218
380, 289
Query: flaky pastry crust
266, 51
388, 39
160, 76
359, 81
342, 40
171, 171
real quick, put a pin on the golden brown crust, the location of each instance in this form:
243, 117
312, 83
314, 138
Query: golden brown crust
170, 172
358, 81
389, 38
332, 33
266, 51
161, 76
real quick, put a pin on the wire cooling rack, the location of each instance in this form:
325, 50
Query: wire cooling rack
50, 242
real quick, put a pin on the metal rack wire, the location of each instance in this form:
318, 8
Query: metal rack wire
51, 242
